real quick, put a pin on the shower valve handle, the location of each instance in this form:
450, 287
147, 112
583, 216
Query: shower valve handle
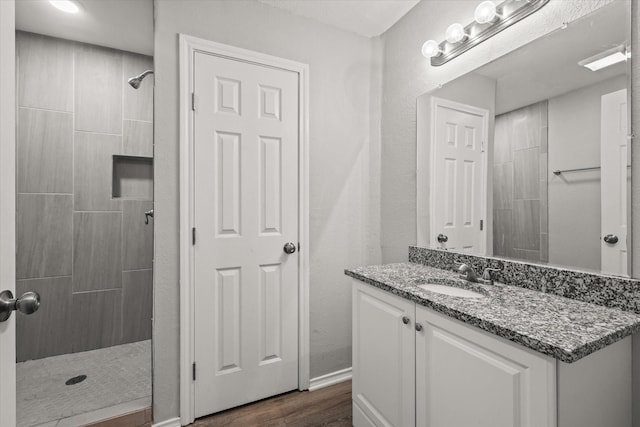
28, 303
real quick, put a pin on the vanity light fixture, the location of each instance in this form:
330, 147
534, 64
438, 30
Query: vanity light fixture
430, 49
490, 19
65, 5
456, 33
486, 13
605, 59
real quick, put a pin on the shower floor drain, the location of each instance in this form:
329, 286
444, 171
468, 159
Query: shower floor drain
76, 380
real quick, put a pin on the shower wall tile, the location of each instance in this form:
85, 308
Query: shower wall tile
526, 255
137, 237
526, 174
98, 94
138, 138
138, 103
503, 186
97, 319
526, 224
45, 151
137, 305
525, 127
43, 235
47, 332
97, 251
44, 71
93, 165
502, 232
502, 152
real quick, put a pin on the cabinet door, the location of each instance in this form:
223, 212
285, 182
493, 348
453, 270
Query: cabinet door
466, 377
383, 357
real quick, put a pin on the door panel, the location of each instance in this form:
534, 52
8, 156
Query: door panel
7, 209
383, 358
466, 377
459, 168
246, 209
615, 180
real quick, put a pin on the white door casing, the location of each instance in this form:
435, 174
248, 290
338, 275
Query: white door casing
459, 135
615, 181
7, 210
246, 155
231, 221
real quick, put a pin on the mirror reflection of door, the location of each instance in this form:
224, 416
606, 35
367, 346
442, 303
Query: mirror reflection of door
459, 165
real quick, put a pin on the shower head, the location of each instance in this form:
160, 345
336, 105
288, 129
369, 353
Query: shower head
135, 81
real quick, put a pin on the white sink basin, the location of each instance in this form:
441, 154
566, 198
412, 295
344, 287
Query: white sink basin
451, 290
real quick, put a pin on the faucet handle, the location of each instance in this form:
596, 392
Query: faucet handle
486, 275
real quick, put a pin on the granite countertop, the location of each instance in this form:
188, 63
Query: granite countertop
563, 328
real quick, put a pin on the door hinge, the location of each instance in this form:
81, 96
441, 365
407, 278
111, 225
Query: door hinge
194, 370
481, 224
482, 146
193, 101
193, 236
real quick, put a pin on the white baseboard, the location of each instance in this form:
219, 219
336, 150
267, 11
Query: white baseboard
172, 422
330, 379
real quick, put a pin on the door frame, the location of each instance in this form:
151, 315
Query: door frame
7, 207
189, 46
484, 113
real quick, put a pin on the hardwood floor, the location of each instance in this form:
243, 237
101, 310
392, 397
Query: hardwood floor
329, 406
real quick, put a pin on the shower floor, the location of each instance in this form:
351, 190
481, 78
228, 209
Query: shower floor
118, 381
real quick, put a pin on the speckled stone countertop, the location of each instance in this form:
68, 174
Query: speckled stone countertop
563, 328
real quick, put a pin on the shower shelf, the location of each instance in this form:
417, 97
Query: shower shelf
132, 177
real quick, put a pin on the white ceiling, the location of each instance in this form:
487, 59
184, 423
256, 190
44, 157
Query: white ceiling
549, 65
367, 18
119, 24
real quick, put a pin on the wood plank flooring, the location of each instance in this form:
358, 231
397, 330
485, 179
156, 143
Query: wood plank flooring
327, 407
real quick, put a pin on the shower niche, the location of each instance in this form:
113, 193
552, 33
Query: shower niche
132, 178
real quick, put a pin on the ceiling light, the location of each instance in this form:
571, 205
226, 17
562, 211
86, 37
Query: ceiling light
486, 13
605, 59
65, 5
430, 49
455, 33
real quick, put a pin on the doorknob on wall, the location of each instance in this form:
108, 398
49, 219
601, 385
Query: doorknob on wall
28, 303
289, 247
611, 239
442, 238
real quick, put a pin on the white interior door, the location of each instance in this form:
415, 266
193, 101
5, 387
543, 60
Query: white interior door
7, 210
246, 210
615, 180
458, 180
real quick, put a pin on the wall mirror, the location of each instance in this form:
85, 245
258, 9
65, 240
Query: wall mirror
528, 157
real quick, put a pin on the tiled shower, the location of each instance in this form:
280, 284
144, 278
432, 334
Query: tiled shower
84, 183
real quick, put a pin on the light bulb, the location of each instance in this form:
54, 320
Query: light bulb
486, 13
431, 49
65, 5
455, 33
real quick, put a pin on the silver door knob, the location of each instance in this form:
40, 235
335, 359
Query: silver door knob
612, 239
289, 248
418, 327
442, 238
28, 303
405, 320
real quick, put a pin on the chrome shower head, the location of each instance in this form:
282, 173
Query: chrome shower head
137, 80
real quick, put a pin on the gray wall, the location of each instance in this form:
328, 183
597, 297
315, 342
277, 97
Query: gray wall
88, 255
520, 200
574, 198
344, 180
407, 75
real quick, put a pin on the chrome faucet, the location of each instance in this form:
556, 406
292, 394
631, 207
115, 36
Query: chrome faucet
487, 277
468, 273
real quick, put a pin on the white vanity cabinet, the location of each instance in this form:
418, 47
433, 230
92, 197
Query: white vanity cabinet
413, 366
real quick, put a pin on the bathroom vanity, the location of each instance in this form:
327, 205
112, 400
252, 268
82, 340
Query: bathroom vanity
508, 356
